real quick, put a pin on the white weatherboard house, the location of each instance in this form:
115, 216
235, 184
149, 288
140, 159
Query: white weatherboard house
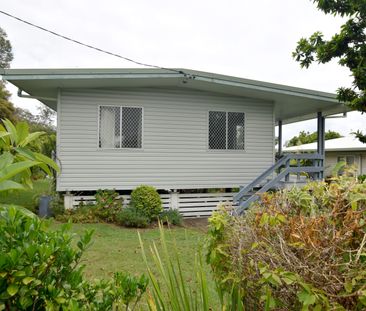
175, 129
345, 149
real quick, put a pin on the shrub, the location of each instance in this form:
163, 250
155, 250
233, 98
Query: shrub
296, 249
84, 213
171, 216
108, 205
362, 178
132, 217
147, 200
40, 270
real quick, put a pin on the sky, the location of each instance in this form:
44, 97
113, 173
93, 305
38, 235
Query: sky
246, 38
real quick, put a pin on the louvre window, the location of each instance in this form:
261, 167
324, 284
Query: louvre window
226, 130
120, 127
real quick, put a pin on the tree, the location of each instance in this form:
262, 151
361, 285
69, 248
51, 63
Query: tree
6, 54
7, 109
307, 138
348, 46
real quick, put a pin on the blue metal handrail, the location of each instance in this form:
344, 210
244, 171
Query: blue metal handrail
284, 173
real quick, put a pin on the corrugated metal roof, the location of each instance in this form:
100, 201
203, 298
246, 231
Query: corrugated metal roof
348, 143
291, 104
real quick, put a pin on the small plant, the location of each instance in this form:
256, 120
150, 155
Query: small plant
132, 217
41, 270
108, 205
362, 178
171, 216
147, 200
84, 213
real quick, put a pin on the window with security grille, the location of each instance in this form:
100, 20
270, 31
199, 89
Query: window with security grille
226, 130
120, 127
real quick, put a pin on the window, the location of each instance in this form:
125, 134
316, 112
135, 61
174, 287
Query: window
348, 160
120, 127
226, 130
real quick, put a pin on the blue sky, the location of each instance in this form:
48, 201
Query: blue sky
249, 39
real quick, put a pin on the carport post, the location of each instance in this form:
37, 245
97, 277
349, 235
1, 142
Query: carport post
279, 138
321, 142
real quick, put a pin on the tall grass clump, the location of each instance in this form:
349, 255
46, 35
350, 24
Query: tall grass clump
170, 290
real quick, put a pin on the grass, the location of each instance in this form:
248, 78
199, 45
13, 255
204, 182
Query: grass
27, 198
116, 248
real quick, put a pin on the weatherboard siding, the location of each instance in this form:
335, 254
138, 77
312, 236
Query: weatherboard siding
174, 154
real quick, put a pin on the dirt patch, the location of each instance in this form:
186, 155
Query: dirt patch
200, 223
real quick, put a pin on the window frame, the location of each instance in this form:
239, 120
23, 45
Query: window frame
120, 107
345, 158
226, 150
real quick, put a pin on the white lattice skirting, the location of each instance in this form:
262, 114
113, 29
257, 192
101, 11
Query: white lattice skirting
188, 204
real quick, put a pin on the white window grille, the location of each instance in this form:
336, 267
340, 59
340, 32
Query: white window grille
120, 127
226, 130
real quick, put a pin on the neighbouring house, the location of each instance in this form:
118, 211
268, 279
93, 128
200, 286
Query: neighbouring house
184, 132
346, 149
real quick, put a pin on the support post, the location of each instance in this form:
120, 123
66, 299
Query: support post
174, 200
321, 142
279, 138
68, 201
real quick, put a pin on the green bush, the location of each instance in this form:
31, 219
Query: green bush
362, 178
298, 249
84, 213
107, 206
132, 217
40, 270
171, 216
147, 200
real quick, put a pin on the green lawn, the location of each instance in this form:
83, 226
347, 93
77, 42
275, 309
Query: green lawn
116, 248
27, 198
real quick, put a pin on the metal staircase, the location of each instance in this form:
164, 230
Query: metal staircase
278, 175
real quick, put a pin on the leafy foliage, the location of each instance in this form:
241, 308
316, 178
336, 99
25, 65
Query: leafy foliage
132, 217
40, 270
108, 205
106, 208
43, 122
16, 159
171, 216
84, 213
307, 138
147, 200
296, 249
349, 46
